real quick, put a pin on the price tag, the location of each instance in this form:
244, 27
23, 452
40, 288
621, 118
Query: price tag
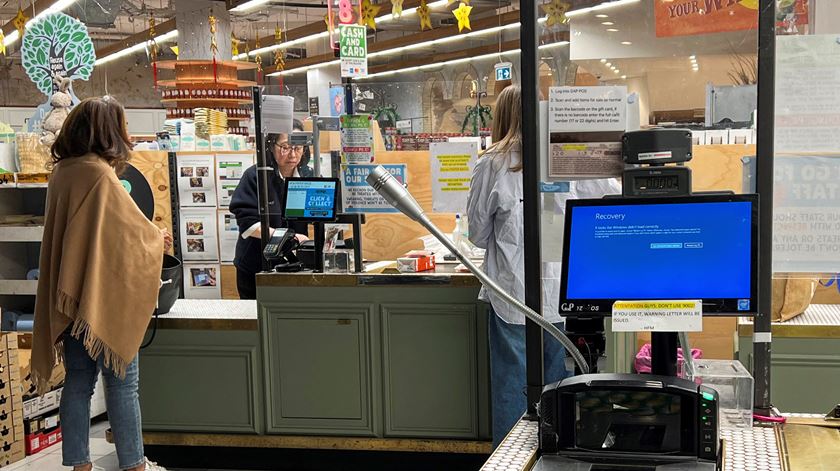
657, 316
7, 179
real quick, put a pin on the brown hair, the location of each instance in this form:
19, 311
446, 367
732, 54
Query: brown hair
95, 126
507, 123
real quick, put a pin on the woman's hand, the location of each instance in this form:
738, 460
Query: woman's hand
167, 240
301, 238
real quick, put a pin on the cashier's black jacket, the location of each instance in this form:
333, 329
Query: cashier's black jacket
244, 204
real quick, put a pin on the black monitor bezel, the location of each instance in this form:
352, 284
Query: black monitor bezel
711, 307
336, 201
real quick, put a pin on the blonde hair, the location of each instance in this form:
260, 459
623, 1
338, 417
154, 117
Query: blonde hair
507, 123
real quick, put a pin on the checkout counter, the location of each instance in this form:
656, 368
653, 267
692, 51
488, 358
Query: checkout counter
342, 361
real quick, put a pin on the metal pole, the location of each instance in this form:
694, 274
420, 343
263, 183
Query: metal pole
264, 171
316, 144
764, 186
531, 200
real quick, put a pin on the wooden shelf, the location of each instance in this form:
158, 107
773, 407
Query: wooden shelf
174, 83
18, 287
21, 233
239, 65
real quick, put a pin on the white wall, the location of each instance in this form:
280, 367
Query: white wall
826, 16
140, 121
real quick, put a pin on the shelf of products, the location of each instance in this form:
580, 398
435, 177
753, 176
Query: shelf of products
228, 94
233, 114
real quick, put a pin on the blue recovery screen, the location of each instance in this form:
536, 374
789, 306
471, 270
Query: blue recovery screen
660, 251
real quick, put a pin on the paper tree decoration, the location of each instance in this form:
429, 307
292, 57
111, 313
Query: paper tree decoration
396, 8
19, 22
280, 59
258, 58
462, 14
555, 13
214, 47
425, 16
369, 12
56, 44
2, 45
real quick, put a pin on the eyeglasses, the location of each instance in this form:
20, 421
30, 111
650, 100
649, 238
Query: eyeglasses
286, 148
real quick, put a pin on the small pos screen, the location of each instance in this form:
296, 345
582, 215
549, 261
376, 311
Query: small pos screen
683, 248
311, 199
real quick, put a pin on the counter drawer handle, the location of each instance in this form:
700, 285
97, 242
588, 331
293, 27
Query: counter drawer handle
344, 322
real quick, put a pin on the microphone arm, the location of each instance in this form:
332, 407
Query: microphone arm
398, 196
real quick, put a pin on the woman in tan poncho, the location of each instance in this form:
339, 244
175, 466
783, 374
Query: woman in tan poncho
99, 279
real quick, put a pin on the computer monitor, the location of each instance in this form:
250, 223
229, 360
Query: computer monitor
311, 199
691, 247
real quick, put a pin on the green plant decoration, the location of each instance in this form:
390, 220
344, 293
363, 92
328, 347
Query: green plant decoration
57, 44
386, 115
475, 115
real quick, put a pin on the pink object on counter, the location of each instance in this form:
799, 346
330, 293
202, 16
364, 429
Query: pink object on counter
643, 358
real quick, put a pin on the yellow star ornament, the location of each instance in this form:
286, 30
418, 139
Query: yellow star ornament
462, 14
555, 13
2, 46
425, 16
396, 8
369, 12
20, 21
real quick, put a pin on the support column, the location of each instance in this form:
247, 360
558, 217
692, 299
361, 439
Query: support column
191, 18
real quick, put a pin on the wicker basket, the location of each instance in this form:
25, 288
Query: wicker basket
33, 157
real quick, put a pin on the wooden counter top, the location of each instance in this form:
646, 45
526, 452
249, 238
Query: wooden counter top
444, 276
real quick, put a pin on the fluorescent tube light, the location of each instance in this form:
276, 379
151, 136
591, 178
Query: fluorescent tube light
135, 48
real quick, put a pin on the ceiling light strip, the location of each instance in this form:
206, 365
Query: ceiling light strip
286, 44
136, 48
58, 6
602, 6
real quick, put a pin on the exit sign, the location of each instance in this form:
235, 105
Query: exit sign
504, 71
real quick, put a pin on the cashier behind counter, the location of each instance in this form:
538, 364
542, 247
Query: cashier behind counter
287, 161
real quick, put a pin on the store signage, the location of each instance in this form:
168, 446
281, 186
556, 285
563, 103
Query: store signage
56, 44
359, 197
504, 71
587, 109
314, 108
452, 166
694, 17
357, 139
657, 316
404, 125
353, 51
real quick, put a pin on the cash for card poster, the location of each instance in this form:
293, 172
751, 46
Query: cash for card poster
199, 237
228, 235
202, 281
359, 197
585, 160
196, 181
229, 170
452, 166
356, 139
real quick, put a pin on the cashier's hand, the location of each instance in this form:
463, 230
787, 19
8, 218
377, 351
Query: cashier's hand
301, 238
167, 240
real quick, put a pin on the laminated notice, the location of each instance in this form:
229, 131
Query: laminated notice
657, 316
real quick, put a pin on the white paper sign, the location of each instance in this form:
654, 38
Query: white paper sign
277, 113
199, 238
356, 139
202, 281
229, 170
570, 161
196, 181
452, 166
587, 109
228, 236
657, 316
807, 93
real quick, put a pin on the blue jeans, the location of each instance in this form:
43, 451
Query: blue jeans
121, 398
507, 372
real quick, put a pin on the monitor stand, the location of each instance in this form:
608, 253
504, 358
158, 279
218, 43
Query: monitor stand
664, 353
356, 220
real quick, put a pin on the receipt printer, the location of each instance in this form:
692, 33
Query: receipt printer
624, 421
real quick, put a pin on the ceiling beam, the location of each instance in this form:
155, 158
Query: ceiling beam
423, 36
134, 39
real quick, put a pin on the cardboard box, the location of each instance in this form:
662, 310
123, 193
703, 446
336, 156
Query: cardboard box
12, 453
37, 442
416, 264
219, 143
202, 145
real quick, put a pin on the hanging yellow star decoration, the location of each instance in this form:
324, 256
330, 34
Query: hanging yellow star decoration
462, 14
278, 34
280, 59
2, 46
20, 21
425, 16
555, 13
369, 12
234, 45
396, 8
175, 50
